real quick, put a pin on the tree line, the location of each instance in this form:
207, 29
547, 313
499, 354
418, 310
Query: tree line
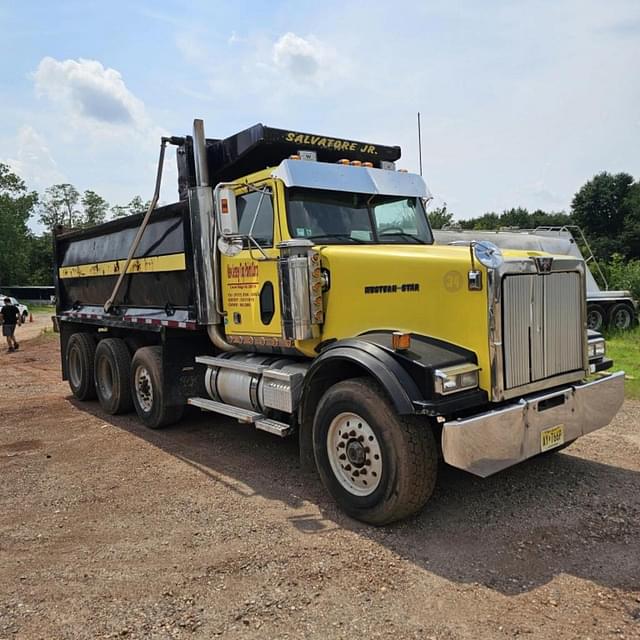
26, 258
607, 208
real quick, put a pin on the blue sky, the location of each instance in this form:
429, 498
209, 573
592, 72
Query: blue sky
521, 103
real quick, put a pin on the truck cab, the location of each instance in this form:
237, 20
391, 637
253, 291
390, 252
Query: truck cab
320, 306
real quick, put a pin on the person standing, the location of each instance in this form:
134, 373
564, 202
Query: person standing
10, 318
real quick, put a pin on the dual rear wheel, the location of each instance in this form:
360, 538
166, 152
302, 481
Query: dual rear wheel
106, 370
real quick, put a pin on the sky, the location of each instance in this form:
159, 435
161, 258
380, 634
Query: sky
520, 102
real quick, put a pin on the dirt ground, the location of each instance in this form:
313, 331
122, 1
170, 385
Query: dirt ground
209, 529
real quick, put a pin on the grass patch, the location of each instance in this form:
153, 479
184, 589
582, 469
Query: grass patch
42, 308
624, 349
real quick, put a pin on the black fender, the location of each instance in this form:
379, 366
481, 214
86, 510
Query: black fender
348, 359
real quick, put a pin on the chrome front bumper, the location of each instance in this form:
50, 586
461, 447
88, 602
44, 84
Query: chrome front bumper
495, 440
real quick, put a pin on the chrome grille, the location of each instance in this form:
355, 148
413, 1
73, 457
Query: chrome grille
542, 326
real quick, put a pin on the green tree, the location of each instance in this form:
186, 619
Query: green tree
95, 208
600, 208
137, 205
60, 207
440, 217
40, 260
631, 229
16, 207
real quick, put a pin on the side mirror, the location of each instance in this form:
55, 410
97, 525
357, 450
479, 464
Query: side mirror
226, 211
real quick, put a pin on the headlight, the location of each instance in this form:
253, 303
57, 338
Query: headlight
597, 348
456, 378
488, 254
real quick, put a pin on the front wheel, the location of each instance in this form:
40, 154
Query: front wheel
147, 389
377, 465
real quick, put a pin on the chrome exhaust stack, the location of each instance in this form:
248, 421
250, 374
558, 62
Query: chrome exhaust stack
203, 242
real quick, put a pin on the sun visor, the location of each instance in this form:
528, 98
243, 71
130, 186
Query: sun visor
339, 177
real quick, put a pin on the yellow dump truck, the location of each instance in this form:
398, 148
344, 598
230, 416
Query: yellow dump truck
296, 287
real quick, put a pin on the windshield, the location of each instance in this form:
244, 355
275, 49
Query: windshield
336, 217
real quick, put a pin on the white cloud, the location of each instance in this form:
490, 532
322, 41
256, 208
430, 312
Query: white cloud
33, 160
90, 92
302, 58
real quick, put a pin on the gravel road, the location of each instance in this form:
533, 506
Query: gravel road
208, 529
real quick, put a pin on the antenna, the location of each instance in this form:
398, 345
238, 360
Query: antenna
419, 144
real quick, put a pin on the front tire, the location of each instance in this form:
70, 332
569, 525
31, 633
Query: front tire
377, 465
80, 353
112, 376
147, 389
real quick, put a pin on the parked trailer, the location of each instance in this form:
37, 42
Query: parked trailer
606, 308
296, 287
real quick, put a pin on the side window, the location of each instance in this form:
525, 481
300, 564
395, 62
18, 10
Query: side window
247, 206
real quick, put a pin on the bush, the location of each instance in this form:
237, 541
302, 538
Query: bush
623, 275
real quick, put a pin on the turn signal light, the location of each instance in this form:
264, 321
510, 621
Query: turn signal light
400, 341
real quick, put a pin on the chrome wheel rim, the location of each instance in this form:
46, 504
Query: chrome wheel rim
622, 319
144, 388
105, 377
74, 367
594, 320
354, 454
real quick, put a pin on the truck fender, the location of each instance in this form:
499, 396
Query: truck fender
351, 359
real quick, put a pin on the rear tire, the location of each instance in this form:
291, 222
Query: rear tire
595, 317
377, 465
621, 317
147, 389
79, 357
112, 371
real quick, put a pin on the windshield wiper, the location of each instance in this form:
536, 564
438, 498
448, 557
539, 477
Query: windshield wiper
340, 236
401, 234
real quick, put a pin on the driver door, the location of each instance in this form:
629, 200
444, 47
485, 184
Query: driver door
250, 288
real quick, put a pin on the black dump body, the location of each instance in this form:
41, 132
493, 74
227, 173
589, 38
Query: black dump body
88, 263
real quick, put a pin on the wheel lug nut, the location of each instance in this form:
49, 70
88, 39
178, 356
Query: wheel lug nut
352, 433
342, 456
367, 462
348, 467
367, 450
360, 438
341, 445
356, 473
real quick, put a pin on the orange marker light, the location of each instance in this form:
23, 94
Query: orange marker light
224, 205
369, 165
343, 161
294, 156
400, 341
356, 163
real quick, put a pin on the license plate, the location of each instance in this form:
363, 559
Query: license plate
552, 437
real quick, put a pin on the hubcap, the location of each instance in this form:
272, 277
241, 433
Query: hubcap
622, 319
594, 320
105, 378
144, 388
354, 454
74, 367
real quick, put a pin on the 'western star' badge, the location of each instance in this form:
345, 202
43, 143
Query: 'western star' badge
543, 263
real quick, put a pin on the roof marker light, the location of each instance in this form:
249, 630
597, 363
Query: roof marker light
343, 161
369, 165
356, 163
